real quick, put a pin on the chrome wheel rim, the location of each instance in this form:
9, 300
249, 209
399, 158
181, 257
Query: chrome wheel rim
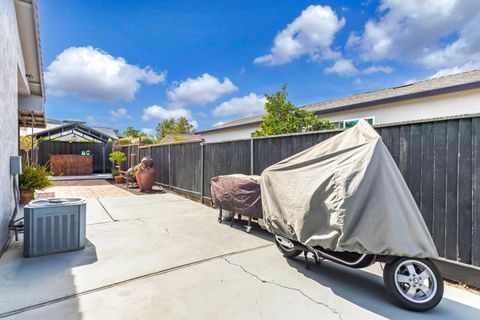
286, 244
415, 281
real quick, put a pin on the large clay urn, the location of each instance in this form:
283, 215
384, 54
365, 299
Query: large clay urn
145, 179
146, 176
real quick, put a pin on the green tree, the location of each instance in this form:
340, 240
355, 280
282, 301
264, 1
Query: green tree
131, 132
283, 117
183, 126
179, 126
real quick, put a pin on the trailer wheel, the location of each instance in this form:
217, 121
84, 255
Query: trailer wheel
415, 283
286, 247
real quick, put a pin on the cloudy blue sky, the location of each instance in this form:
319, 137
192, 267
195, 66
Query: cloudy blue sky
121, 63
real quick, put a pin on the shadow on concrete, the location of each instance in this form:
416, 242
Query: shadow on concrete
363, 288
256, 230
31, 283
366, 290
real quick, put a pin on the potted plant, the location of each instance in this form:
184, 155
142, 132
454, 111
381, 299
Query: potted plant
117, 158
33, 177
145, 174
117, 176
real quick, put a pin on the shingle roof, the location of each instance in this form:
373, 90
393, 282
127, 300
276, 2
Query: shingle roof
178, 137
108, 131
451, 83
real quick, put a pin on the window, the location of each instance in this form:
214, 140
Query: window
350, 123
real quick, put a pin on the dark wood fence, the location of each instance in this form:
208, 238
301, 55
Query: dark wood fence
132, 153
439, 159
97, 150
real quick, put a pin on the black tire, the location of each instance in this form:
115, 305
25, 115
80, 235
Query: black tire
286, 252
420, 301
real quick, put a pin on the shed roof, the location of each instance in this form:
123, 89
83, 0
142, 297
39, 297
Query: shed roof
174, 138
77, 128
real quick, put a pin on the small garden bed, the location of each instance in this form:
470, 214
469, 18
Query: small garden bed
133, 188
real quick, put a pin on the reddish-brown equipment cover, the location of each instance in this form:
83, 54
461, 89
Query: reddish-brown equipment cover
237, 193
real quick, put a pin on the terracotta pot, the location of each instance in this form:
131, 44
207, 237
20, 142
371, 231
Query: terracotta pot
145, 179
26, 196
118, 179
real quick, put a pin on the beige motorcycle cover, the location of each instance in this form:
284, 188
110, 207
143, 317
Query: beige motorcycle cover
345, 194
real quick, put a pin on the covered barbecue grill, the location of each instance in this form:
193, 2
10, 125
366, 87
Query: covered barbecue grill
239, 194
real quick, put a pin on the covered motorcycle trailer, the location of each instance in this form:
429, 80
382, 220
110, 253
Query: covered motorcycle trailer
345, 200
239, 194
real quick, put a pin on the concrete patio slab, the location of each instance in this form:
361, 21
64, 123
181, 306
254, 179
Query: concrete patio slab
166, 257
121, 250
256, 284
96, 213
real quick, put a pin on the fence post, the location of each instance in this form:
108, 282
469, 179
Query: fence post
169, 167
103, 153
201, 171
252, 168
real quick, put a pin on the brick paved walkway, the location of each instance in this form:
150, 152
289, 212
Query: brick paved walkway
84, 189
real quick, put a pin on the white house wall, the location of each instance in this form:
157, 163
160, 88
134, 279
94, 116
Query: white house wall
445, 105
10, 64
243, 132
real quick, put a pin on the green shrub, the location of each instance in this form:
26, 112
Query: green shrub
34, 177
138, 167
117, 157
115, 172
147, 140
123, 141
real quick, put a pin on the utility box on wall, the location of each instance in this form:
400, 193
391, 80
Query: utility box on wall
54, 225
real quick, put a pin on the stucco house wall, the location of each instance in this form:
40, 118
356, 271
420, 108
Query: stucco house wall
234, 133
444, 105
11, 66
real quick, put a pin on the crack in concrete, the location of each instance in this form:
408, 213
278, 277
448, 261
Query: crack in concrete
323, 304
106, 211
125, 281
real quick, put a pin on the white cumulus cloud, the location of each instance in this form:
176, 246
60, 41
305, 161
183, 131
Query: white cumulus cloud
199, 91
248, 105
219, 123
158, 113
120, 113
342, 67
94, 75
377, 69
149, 131
311, 34
441, 35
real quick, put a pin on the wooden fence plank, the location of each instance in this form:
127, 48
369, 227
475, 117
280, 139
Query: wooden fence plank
395, 146
404, 152
476, 192
427, 165
452, 188
464, 207
415, 162
439, 187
